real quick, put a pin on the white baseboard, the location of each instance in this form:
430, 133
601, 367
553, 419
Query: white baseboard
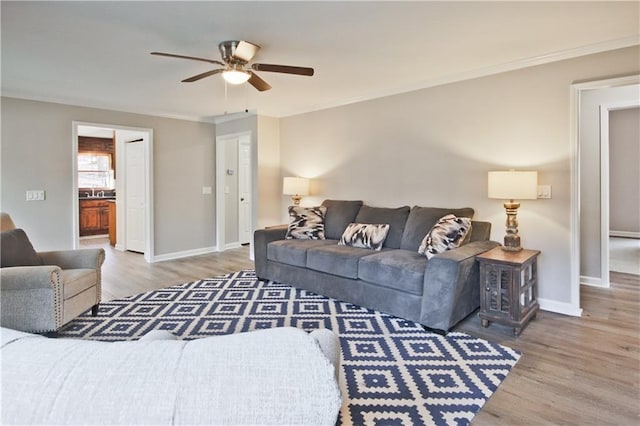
594, 281
559, 307
186, 253
231, 246
624, 234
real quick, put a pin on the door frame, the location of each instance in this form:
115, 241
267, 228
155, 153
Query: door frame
605, 223
576, 91
120, 166
221, 168
245, 142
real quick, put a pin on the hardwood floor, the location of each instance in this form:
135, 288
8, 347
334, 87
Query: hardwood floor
573, 371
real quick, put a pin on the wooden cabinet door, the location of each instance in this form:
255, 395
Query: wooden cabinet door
89, 220
104, 219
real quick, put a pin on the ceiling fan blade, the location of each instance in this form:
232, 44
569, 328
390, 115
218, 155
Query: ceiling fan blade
258, 83
245, 50
201, 76
171, 55
283, 68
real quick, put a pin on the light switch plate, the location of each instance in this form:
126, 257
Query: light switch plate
544, 191
35, 195
206, 190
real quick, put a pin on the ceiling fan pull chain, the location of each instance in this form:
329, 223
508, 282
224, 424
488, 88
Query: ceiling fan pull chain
226, 88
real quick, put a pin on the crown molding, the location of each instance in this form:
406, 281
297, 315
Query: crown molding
483, 72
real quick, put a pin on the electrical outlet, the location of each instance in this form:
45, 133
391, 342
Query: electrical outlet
35, 195
206, 190
544, 191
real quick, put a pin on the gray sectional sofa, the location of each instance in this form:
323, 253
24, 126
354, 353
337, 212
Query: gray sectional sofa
437, 293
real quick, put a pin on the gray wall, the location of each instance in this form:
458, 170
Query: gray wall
37, 154
624, 172
590, 206
434, 147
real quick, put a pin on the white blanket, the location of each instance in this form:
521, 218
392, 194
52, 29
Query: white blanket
271, 377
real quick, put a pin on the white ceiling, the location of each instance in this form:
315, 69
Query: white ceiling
97, 53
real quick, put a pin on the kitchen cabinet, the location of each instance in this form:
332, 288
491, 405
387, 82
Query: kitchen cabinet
112, 222
94, 217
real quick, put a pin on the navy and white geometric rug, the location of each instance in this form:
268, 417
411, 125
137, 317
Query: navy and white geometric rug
393, 372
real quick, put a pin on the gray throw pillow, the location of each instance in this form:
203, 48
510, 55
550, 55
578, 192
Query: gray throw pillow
16, 249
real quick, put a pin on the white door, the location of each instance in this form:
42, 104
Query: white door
134, 192
244, 191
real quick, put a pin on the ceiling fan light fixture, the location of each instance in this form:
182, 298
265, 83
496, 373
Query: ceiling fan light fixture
235, 76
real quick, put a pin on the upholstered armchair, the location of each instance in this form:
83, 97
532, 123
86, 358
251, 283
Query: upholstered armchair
42, 291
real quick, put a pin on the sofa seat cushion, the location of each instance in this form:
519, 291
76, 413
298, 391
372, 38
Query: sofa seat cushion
294, 252
336, 260
78, 280
398, 269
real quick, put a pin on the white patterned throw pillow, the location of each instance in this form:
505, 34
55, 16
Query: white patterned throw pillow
445, 235
365, 235
306, 223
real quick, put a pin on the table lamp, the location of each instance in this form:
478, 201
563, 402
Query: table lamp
512, 185
296, 187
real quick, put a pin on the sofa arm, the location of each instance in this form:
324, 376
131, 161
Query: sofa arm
262, 238
31, 298
451, 289
74, 259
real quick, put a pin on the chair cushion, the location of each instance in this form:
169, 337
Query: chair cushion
395, 218
340, 213
294, 252
16, 249
75, 281
398, 269
336, 260
422, 219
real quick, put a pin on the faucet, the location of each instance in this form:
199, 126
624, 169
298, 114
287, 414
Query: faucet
101, 194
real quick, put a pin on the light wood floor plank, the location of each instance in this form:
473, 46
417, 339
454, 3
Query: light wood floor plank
574, 371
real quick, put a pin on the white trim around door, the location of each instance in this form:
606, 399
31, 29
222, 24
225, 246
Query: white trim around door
147, 136
576, 91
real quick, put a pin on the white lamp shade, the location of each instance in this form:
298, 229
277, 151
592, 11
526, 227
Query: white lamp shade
513, 185
295, 186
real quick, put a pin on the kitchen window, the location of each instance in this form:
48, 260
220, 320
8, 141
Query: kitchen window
95, 171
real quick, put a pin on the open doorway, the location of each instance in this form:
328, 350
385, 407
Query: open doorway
234, 190
589, 213
123, 198
621, 142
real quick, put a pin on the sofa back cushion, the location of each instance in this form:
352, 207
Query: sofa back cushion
422, 219
395, 218
16, 249
339, 215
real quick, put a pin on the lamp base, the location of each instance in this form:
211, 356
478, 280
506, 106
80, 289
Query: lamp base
512, 239
511, 243
296, 199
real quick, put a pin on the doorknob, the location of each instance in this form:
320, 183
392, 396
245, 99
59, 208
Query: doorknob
241, 199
